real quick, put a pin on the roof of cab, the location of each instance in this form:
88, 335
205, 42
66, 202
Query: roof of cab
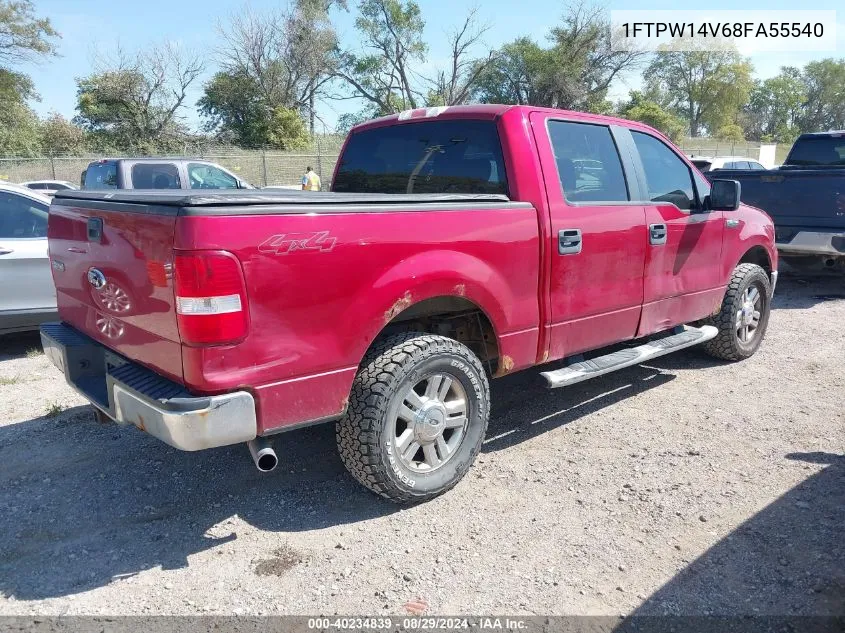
493, 111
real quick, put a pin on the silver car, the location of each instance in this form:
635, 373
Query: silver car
49, 187
27, 292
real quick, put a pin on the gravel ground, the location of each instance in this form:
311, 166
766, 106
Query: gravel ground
683, 486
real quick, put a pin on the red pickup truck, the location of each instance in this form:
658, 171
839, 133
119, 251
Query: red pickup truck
458, 244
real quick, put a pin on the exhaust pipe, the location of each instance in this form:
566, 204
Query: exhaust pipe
263, 454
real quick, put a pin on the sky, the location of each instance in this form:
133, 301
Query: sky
89, 27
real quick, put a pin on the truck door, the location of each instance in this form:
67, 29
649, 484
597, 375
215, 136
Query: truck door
684, 250
598, 237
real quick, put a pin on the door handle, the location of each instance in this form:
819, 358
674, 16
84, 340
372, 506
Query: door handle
657, 234
569, 241
6, 251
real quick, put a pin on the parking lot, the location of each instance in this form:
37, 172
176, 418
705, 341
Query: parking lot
683, 486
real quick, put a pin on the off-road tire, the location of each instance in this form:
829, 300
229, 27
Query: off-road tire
364, 432
726, 345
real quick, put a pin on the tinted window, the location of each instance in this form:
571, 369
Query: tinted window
100, 176
36, 185
667, 176
203, 176
703, 165
424, 157
818, 150
21, 217
155, 176
59, 186
588, 163
754, 165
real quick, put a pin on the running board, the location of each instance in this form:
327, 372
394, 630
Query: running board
586, 369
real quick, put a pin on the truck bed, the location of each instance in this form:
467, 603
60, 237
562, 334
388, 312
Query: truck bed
322, 273
269, 201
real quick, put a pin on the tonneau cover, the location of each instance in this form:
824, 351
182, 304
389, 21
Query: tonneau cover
246, 197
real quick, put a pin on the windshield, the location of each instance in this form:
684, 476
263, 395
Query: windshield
821, 151
426, 157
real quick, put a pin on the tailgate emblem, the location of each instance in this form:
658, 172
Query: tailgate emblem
96, 278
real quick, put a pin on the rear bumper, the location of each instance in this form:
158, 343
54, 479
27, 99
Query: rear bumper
828, 243
132, 394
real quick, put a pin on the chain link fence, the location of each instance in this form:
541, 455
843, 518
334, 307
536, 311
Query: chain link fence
261, 167
715, 147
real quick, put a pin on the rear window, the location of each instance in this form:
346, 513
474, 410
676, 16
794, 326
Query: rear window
425, 157
822, 151
155, 176
100, 176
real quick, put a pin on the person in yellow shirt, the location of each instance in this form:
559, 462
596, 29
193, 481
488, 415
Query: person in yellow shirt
311, 181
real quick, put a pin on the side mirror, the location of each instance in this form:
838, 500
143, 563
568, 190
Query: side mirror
724, 195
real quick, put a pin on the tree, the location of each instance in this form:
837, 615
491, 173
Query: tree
233, 108
286, 130
19, 133
270, 62
135, 100
60, 136
641, 108
774, 107
519, 75
824, 86
454, 85
24, 37
574, 72
387, 73
393, 31
708, 88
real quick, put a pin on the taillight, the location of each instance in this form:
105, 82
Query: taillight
211, 306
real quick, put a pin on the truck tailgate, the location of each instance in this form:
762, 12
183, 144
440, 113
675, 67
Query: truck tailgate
807, 198
112, 265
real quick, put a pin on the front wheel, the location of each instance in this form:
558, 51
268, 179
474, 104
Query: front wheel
416, 418
744, 315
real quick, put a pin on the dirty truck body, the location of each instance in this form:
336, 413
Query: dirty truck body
458, 245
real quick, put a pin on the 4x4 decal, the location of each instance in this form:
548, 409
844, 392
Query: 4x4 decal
289, 242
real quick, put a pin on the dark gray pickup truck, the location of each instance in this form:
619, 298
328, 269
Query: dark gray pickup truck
805, 197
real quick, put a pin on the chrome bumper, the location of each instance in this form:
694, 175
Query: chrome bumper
815, 243
131, 394
774, 281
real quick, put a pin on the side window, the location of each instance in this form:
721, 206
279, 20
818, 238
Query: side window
100, 176
36, 185
203, 176
155, 176
21, 217
667, 176
588, 162
754, 165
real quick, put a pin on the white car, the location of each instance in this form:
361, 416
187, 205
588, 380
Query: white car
712, 163
49, 187
27, 292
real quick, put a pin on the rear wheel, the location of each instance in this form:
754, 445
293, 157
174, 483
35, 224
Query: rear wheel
744, 315
417, 415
